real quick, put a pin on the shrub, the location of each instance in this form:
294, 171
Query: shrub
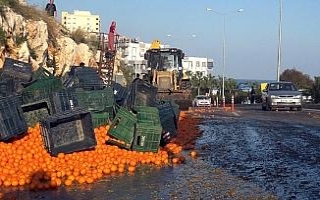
79, 36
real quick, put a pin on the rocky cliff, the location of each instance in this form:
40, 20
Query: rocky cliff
33, 38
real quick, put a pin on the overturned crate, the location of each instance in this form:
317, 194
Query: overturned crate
12, 122
122, 128
36, 111
6, 87
67, 100
64, 100
148, 129
86, 78
17, 70
169, 121
141, 93
68, 132
40, 89
95, 100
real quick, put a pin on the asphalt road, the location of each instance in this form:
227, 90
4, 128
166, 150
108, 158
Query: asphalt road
245, 154
277, 150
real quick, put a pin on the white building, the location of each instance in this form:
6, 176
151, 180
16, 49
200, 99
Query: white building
132, 53
81, 20
197, 64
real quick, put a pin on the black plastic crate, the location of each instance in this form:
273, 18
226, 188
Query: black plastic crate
141, 93
169, 125
6, 87
87, 78
120, 92
12, 122
168, 118
168, 107
147, 137
68, 132
64, 100
123, 127
36, 111
17, 69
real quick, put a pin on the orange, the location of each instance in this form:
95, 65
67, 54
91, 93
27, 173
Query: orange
68, 182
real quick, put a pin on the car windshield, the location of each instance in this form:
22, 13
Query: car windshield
282, 86
202, 97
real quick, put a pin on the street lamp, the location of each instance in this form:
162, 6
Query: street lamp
224, 14
279, 45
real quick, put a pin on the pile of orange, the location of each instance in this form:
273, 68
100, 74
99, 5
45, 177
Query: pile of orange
25, 162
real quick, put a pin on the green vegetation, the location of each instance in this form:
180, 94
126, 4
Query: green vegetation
79, 36
303, 81
127, 72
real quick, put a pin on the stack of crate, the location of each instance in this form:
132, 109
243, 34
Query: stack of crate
148, 129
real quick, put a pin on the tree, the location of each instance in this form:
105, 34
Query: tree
196, 80
303, 81
316, 89
127, 72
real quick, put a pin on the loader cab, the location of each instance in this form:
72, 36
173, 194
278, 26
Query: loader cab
164, 67
167, 59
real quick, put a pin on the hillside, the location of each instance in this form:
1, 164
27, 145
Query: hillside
29, 35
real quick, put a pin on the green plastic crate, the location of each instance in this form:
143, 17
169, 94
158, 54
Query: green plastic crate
147, 138
41, 73
95, 100
100, 119
147, 114
123, 127
40, 89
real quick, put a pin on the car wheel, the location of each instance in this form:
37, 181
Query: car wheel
264, 107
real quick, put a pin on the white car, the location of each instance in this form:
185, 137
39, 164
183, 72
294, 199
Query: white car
201, 100
281, 95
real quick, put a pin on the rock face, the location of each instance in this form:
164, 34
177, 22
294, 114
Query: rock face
37, 46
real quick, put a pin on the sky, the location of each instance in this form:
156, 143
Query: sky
251, 35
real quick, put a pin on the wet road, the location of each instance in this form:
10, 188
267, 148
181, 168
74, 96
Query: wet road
246, 154
277, 150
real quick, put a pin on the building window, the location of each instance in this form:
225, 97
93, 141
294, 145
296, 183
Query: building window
97, 19
198, 64
204, 64
190, 64
97, 29
97, 23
